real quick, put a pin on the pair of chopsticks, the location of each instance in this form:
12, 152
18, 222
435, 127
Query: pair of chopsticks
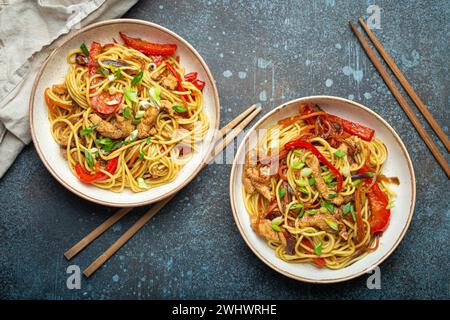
226, 135
409, 90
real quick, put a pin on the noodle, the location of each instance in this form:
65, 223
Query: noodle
136, 163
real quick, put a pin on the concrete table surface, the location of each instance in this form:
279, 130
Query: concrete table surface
258, 51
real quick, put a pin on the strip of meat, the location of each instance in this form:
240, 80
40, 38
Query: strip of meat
147, 123
318, 221
169, 82
314, 164
119, 129
263, 227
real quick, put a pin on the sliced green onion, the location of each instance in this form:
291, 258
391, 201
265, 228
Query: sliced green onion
303, 190
368, 174
328, 205
311, 212
297, 152
84, 49
103, 141
390, 204
301, 183
137, 79
347, 207
332, 195
127, 113
323, 210
281, 192
352, 210
117, 74
339, 153
84, 132
346, 171
103, 71
155, 93
333, 225
112, 90
89, 158
318, 248
139, 114
148, 140
141, 183
297, 206
301, 213
312, 181
135, 121
356, 182
131, 137
298, 165
130, 96
327, 179
179, 109
276, 223
141, 155
306, 172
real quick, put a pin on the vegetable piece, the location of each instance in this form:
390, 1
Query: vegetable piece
306, 172
141, 155
139, 114
281, 192
130, 96
141, 183
353, 128
320, 262
312, 181
179, 109
106, 103
137, 79
84, 132
333, 225
298, 165
89, 158
115, 63
339, 153
94, 51
86, 177
276, 223
318, 248
304, 144
155, 95
356, 182
135, 121
190, 77
127, 113
147, 47
84, 49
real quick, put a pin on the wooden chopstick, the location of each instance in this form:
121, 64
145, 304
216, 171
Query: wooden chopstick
157, 206
406, 85
401, 100
94, 234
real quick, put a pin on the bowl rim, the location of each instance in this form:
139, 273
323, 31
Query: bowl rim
327, 280
71, 36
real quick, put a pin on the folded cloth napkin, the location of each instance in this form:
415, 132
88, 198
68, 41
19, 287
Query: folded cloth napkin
29, 31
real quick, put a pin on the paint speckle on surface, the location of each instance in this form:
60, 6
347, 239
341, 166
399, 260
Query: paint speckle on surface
263, 63
308, 62
411, 62
357, 74
263, 95
227, 73
367, 95
221, 55
330, 3
329, 83
351, 97
338, 46
242, 74
161, 7
115, 278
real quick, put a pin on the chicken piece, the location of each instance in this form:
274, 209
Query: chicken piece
254, 177
343, 147
166, 106
118, 129
169, 82
59, 89
318, 221
314, 164
147, 123
263, 227
156, 75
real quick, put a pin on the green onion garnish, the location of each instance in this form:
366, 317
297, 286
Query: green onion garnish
141, 155
301, 183
130, 96
179, 109
89, 158
141, 183
298, 165
136, 121
147, 140
303, 190
318, 248
84, 49
297, 152
356, 182
297, 206
103, 71
139, 114
306, 172
352, 210
347, 207
276, 223
312, 181
281, 192
103, 141
332, 195
127, 113
333, 225
137, 79
84, 132
339, 153
311, 212
327, 205
368, 174
117, 74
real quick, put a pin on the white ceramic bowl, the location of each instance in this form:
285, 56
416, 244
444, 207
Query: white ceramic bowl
53, 71
397, 164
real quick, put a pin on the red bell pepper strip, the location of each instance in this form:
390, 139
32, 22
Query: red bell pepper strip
307, 145
86, 177
94, 51
147, 47
353, 128
190, 77
378, 202
199, 84
320, 262
176, 74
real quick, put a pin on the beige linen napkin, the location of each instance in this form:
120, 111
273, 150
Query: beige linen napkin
29, 31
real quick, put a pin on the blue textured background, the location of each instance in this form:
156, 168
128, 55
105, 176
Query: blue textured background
266, 51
